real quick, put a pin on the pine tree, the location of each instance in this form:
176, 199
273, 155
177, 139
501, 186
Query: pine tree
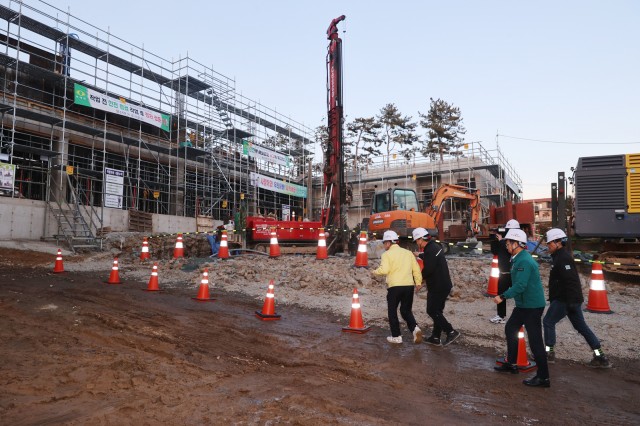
397, 131
444, 130
363, 134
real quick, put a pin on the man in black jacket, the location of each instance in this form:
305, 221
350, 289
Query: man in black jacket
499, 248
565, 297
436, 275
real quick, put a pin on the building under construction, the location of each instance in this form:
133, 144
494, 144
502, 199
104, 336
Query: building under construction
102, 134
99, 134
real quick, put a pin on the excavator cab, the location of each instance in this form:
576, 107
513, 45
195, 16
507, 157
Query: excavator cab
395, 199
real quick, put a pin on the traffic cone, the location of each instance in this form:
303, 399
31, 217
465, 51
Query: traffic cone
268, 309
114, 277
492, 288
144, 253
58, 268
356, 325
362, 261
153, 281
522, 362
321, 253
274, 247
223, 251
178, 251
420, 263
598, 302
203, 291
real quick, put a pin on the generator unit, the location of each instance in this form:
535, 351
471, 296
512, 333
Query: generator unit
607, 197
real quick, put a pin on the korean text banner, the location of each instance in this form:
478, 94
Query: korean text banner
91, 98
265, 154
265, 182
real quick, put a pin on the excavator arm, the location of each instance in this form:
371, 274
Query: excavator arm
447, 192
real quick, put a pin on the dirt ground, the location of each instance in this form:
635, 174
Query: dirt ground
78, 351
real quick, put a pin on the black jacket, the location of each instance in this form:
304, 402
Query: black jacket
564, 281
436, 271
499, 248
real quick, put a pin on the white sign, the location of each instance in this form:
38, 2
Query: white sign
7, 176
113, 188
286, 212
265, 154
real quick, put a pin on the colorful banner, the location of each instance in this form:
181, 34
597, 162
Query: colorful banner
265, 154
91, 98
7, 176
265, 182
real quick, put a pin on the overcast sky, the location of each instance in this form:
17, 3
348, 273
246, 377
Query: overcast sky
560, 71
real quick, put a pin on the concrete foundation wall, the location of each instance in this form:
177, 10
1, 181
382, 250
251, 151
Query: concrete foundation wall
21, 219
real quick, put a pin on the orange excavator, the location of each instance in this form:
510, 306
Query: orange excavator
398, 209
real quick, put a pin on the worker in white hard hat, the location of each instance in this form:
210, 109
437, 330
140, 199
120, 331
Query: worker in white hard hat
565, 297
499, 248
528, 294
438, 280
403, 278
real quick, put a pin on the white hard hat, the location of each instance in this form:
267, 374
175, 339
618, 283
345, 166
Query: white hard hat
555, 234
390, 236
419, 233
516, 235
512, 224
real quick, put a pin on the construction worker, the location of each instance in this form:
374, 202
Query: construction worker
403, 277
499, 248
436, 275
528, 294
565, 297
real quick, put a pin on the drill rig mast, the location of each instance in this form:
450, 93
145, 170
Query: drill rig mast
334, 205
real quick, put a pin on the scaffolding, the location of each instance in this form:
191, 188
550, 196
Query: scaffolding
77, 101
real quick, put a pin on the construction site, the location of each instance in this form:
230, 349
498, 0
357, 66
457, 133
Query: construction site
150, 210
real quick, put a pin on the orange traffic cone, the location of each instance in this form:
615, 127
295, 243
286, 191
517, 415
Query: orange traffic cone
223, 251
268, 309
361, 256
321, 253
59, 266
598, 302
522, 362
144, 253
153, 281
178, 251
114, 277
492, 288
203, 291
274, 247
356, 325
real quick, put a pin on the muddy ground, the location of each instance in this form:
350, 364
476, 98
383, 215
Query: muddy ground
78, 351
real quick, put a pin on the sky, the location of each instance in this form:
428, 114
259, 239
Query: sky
546, 81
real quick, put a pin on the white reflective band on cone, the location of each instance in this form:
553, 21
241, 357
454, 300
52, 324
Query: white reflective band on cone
596, 271
270, 295
59, 258
322, 243
362, 248
223, 243
179, 244
355, 306
495, 273
155, 274
597, 285
520, 334
274, 240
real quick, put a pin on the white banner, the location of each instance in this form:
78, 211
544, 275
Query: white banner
265, 154
276, 185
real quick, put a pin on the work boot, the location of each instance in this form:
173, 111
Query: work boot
433, 340
600, 361
417, 335
536, 381
451, 336
507, 367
